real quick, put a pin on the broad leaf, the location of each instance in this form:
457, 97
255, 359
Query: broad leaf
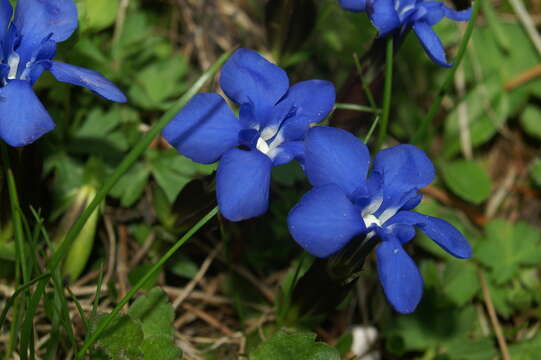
290, 345
507, 247
468, 180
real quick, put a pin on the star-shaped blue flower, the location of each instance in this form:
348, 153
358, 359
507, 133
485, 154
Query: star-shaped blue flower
345, 203
28, 41
389, 16
268, 131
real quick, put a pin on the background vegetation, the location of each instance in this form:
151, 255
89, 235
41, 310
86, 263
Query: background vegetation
223, 295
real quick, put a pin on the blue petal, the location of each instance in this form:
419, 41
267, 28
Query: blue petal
401, 280
293, 150
462, 15
6, 11
384, 16
37, 19
435, 11
306, 102
204, 129
336, 156
431, 12
248, 78
242, 184
404, 169
324, 221
353, 5
439, 230
23, 119
41, 56
431, 43
312, 99
89, 79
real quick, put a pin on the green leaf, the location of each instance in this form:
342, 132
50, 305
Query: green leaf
122, 339
173, 171
431, 326
535, 171
468, 349
461, 282
291, 345
159, 348
155, 313
138, 272
183, 266
507, 247
158, 82
527, 350
468, 180
530, 119
131, 185
96, 15
483, 124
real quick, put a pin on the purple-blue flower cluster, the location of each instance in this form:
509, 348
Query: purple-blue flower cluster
398, 16
275, 126
28, 38
346, 202
271, 124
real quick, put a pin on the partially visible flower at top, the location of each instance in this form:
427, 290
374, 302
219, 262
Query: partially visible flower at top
345, 203
391, 15
27, 47
269, 130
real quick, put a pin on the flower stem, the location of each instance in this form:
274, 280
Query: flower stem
387, 92
423, 131
16, 216
109, 318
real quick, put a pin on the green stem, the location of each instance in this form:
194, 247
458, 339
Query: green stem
355, 107
371, 130
365, 86
126, 164
422, 133
19, 290
103, 325
16, 216
387, 92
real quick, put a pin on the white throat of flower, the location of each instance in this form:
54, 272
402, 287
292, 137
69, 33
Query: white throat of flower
13, 62
270, 149
368, 213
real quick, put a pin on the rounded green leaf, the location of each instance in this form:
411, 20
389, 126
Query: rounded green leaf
531, 121
468, 180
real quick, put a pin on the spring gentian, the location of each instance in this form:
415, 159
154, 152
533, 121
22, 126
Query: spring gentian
268, 131
28, 41
390, 16
345, 203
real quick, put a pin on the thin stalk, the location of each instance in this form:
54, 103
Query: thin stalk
124, 166
422, 133
372, 129
17, 292
16, 216
157, 266
387, 92
365, 86
355, 107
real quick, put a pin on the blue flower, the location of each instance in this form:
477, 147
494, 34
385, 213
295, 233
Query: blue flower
345, 203
27, 47
389, 16
269, 130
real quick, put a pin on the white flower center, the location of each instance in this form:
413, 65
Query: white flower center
271, 150
13, 63
368, 213
370, 220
